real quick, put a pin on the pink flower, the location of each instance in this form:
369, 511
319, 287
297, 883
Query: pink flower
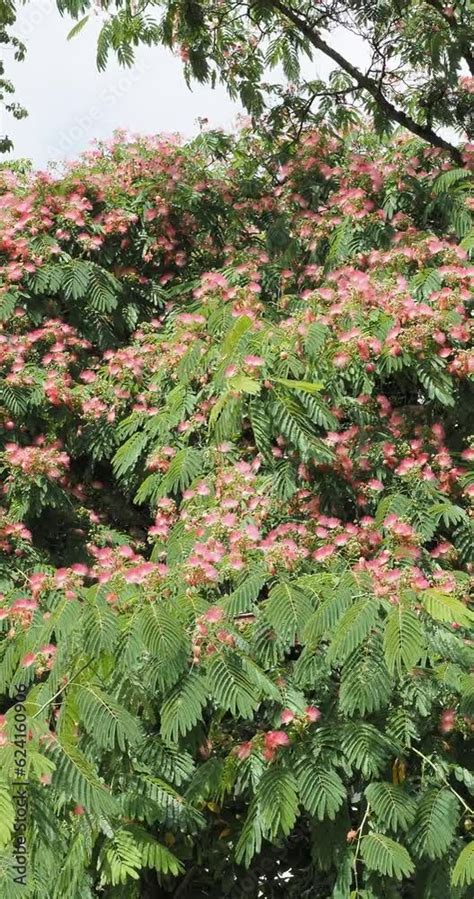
275, 738
244, 750
405, 466
36, 581
375, 484
28, 659
27, 605
340, 360
214, 614
88, 376
324, 552
252, 531
254, 361
287, 716
312, 713
229, 520
447, 721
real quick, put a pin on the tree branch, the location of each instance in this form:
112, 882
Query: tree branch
368, 84
182, 887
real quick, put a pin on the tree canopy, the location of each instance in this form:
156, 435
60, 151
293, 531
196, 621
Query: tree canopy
236, 524
419, 71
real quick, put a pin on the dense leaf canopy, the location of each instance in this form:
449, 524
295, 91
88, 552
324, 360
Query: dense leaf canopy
236, 523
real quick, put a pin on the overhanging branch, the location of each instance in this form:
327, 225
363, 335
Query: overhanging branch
368, 84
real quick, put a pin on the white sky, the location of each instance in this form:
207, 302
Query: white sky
70, 103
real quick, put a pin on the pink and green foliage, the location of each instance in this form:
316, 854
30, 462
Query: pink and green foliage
236, 520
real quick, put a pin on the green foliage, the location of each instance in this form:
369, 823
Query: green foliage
463, 873
435, 823
403, 639
434, 54
384, 855
321, 790
392, 804
235, 529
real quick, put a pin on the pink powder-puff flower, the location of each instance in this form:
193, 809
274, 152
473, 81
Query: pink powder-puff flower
254, 361
214, 614
324, 552
244, 750
275, 738
28, 660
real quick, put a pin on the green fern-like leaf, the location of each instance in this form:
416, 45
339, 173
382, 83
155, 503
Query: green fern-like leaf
443, 607
392, 805
463, 872
105, 718
182, 709
244, 597
287, 610
353, 628
321, 790
76, 777
186, 465
447, 180
128, 455
154, 854
99, 625
75, 277
7, 814
382, 854
365, 682
435, 822
403, 640
277, 801
366, 748
315, 339
230, 684
162, 632
249, 843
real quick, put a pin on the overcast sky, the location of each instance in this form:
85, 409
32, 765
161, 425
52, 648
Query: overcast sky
70, 103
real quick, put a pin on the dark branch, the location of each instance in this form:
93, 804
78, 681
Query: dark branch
368, 84
182, 887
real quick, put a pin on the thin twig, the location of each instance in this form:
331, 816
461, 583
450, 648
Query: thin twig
359, 837
439, 770
52, 698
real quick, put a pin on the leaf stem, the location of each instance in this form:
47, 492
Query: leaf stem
52, 698
359, 837
439, 771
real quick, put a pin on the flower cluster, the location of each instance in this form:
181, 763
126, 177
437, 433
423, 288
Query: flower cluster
237, 493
